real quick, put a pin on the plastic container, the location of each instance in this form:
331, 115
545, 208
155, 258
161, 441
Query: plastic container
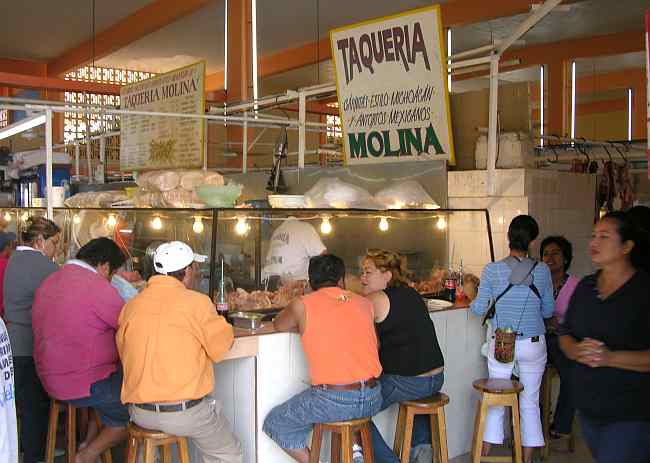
219, 196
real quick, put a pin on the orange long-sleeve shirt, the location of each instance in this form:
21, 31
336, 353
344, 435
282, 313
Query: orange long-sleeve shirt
168, 338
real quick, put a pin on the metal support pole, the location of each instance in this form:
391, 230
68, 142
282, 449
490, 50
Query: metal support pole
102, 158
492, 128
48, 163
88, 150
205, 145
302, 140
244, 154
77, 156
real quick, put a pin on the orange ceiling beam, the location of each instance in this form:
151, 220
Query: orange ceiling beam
146, 20
595, 107
614, 80
599, 107
9, 79
588, 47
454, 14
16, 66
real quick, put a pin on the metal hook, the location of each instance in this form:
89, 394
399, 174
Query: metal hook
608, 153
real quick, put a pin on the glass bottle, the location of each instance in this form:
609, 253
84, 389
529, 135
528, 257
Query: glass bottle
222, 301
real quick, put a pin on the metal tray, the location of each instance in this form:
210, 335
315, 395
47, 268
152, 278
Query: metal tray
247, 320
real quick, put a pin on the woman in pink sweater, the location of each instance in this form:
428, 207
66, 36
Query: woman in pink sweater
557, 253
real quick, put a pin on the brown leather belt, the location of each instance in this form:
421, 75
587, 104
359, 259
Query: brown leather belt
370, 383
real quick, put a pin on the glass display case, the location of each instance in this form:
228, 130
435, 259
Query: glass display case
241, 238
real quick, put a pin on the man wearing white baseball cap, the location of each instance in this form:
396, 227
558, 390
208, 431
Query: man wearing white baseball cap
168, 338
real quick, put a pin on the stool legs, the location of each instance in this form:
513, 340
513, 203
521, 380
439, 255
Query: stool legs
317, 435
399, 431
366, 443
51, 431
335, 451
516, 430
132, 450
439, 435
487, 400
481, 415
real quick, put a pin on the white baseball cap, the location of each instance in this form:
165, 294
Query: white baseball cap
174, 256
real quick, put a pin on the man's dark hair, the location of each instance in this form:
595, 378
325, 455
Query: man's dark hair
101, 251
522, 231
179, 274
565, 247
325, 271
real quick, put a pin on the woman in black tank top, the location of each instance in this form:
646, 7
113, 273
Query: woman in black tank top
409, 352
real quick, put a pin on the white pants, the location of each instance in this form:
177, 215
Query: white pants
531, 362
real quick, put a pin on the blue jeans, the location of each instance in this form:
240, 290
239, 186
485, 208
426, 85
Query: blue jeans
290, 423
394, 389
617, 441
105, 400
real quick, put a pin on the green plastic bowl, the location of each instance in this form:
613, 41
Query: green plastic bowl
219, 196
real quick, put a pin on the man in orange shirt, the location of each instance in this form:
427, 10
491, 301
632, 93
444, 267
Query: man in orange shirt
338, 337
168, 338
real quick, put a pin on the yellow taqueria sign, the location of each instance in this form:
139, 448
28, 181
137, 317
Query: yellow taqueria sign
391, 78
154, 142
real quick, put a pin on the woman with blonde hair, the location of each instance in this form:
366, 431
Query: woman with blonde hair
409, 352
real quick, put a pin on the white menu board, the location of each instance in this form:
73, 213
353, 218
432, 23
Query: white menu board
391, 78
154, 142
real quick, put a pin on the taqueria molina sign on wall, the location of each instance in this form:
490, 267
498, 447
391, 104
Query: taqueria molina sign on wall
148, 142
391, 77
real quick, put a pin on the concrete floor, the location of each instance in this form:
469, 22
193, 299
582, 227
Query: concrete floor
559, 453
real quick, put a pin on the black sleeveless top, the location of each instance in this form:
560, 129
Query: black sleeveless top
408, 345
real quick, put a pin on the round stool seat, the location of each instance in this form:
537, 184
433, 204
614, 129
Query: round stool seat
498, 386
351, 423
434, 401
142, 433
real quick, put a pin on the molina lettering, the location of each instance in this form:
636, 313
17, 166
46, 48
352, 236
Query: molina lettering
405, 142
395, 44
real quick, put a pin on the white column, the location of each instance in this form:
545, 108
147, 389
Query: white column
492, 127
48, 162
244, 152
302, 139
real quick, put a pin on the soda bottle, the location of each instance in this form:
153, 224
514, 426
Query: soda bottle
450, 285
222, 302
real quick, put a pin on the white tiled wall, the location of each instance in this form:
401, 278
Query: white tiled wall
561, 202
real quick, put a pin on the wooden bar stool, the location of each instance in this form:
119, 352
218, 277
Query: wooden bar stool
70, 432
432, 406
342, 432
150, 440
497, 392
547, 404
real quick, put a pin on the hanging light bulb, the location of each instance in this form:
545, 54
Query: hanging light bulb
241, 227
24, 217
441, 224
156, 223
197, 226
76, 219
383, 224
111, 221
7, 217
325, 226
